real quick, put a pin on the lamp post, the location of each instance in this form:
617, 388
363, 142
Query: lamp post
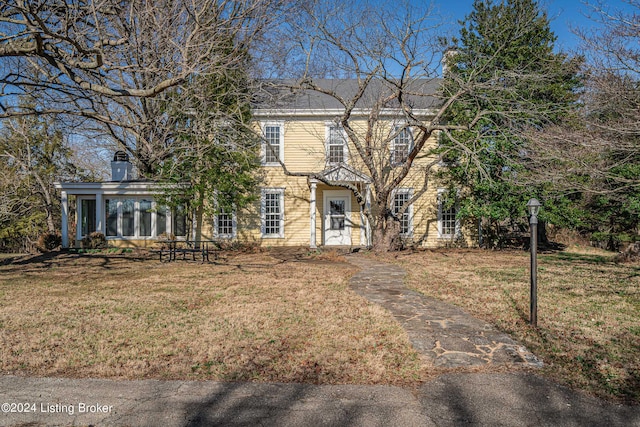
534, 207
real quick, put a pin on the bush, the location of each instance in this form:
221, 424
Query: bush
612, 241
95, 240
631, 254
48, 241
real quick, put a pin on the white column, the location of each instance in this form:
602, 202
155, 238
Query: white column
363, 228
368, 204
99, 213
65, 219
312, 215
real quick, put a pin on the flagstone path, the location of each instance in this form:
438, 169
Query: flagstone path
443, 334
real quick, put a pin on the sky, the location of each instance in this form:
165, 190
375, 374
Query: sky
564, 15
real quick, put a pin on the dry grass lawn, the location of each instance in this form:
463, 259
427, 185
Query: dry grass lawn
251, 317
291, 317
588, 308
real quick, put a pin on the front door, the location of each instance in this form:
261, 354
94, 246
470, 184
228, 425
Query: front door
337, 219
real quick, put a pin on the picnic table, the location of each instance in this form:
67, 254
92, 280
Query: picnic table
196, 248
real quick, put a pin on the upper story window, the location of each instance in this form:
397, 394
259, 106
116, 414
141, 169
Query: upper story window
273, 143
448, 224
401, 145
400, 198
336, 144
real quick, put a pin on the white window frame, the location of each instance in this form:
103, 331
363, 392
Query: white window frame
409, 211
400, 129
441, 220
137, 217
263, 214
265, 148
328, 143
216, 223
80, 215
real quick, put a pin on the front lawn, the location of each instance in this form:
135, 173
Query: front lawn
291, 317
588, 308
256, 317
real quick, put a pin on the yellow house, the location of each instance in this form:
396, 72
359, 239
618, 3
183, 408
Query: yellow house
303, 151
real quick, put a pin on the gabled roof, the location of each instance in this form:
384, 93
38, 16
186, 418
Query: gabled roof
283, 95
343, 173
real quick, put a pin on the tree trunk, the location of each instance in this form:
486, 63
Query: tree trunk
386, 235
48, 202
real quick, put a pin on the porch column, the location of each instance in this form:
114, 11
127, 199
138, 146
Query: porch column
363, 227
65, 219
99, 213
312, 215
368, 204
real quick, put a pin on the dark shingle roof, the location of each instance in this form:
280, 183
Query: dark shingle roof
286, 95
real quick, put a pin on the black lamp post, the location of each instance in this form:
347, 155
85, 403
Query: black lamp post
534, 207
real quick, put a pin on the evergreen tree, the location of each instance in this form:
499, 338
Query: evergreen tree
505, 57
214, 147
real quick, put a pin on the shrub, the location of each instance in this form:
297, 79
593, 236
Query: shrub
48, 241
95, 240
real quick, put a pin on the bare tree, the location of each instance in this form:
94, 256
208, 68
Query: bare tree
33, 154
594, 159
392, 52
606, 135
116, 61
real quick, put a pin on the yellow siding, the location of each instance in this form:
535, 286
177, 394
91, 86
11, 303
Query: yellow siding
304, 152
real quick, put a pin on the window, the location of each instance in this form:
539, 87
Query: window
161, 220
142, 218
273, 144
401, 197
401, 145
111, 214
336, 144
448, 226
128, 217
337, 214
145, 218
179, 225
272, 213
88, 216
225, 225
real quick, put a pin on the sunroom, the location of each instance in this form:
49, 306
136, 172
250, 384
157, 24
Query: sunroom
125, 211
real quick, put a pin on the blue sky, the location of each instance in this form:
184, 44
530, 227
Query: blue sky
565, 14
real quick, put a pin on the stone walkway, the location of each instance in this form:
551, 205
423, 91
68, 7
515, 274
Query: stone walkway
442, 333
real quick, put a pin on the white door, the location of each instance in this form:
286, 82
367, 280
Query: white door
337, 218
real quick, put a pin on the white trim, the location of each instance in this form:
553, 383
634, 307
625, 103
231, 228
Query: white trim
409, 211
327, 139
80, 214
263, 219
155, 206
64, 200
313, 184
329, 194
234, 225
399, 128
441, 235
263, 146
115, 188
301, 112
